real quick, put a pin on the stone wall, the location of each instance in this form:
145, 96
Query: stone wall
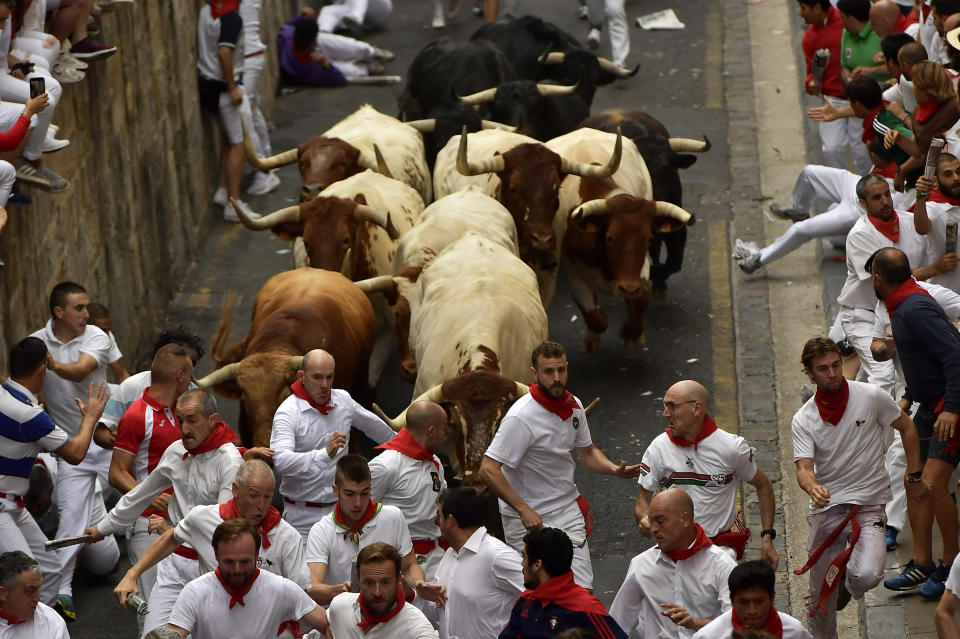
142, 164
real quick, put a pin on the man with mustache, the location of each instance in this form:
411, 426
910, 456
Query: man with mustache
529, 466
22, 614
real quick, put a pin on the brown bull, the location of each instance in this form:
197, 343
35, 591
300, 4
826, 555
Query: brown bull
293, 313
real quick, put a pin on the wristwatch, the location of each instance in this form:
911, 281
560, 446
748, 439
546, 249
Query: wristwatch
915, 477
769, 531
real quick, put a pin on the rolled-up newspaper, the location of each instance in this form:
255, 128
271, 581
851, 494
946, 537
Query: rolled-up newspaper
137, 604
821, 57
933, 154
951, 243
63, 542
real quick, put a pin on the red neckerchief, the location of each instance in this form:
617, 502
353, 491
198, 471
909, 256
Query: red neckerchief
832, 405
868, 133
772, 624
902, 292
701, 542
890, 229
925, 111
936, 195
236, 594
301, 392
13, 621
889, 171
707, 429
293, 626
368, 620
300, 56
564, 592
925, 10
220, 7
353, 532
901, 24
562, 407
405, 444
229, 510
220, 435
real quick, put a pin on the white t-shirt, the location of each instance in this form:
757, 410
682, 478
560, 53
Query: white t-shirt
225, 31
864, 240
698, 584
706, 473
45, 624
409, 623
939, 213
299, 442
902, 92
412, 485
115, 354
203, 608
126, 393
848, 458
25, 431
327, 545
722, 628
250, 14
536, 449
953, 579
483, 582
284, 556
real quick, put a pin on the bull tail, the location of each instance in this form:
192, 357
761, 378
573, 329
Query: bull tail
219, 342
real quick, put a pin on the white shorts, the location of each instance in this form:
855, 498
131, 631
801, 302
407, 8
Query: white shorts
231, 117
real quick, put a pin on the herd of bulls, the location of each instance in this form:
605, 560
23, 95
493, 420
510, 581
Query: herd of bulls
457, 265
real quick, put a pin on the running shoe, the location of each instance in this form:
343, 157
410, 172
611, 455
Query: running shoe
913, 576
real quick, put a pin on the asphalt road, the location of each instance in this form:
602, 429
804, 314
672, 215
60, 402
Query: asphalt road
689, 335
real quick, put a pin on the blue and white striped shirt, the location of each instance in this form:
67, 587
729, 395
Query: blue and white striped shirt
25, 430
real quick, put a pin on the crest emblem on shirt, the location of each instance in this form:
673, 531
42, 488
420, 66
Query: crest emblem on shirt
689, 463
848, 52
861, 422
436, 481
553, 623
576, 423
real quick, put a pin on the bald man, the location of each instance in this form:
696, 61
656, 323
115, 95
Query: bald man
885, 17
408, 475
706, 462
679, 585
311, 431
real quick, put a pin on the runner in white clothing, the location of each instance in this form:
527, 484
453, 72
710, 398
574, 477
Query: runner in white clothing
529, 465
22, 615
949, 605
408, 475
938, 205
311, 431
704, 461
839, 439
239, 600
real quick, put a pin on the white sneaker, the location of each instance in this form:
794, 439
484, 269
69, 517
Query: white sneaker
230, 214
52, 144
67, 75
67, 59
438, 21
263, 183
375, 80
53, 129
593, 38
220, 196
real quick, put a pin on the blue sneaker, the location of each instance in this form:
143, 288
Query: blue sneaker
932, 589
18, 198
913, 576
64, 606
892, 538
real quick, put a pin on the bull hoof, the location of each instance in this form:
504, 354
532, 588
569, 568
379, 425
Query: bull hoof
591, 343
596, 321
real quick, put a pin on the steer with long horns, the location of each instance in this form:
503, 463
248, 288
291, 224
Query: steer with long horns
540, 110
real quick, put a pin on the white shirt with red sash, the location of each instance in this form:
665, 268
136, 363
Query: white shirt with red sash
45, 624
208, 610
406, 621
783, 627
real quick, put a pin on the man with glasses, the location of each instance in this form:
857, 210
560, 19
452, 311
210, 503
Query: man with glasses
696, 456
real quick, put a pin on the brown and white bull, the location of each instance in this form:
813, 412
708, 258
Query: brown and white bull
478, 320
294, 312
606, 227
352, 227
349, 147
524, 175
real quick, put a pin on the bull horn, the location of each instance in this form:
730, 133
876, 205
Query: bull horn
591, 406
522, 389
366, 213
382, 167
480, 97
295, 362
592, 171
669, 209
493, 165
687, 145
289, 214
270, 163
434, 394
612, 67
345, 268
593, 207
424, 126
551, 90
377, 284
551, 57
396, 424
223, 374
490, 124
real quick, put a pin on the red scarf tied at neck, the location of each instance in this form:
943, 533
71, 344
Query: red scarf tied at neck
925, 111
220, 7
562, 408
13, 621
772, 624
868, 133
229, 510
902, 292
301, 392
701, 542
890, 229
236, 594
353, 532
566, 593
220, 435
832, 405
368, 620
936, 195
707, 429
405, 444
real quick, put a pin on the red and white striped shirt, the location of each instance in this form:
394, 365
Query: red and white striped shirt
146, 429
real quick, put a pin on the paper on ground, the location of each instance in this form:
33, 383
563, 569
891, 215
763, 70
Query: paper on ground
665, 19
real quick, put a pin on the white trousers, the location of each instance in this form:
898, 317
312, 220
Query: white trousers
304, 517
372, 13
19, 531
430, 562
173, 573
16, 90
615, 15
864, 569
138, 540
252, 69
837, 136
29, 45
569, 519
896, 463
838, 220
824, 183
8, 175
857, 327
346, 53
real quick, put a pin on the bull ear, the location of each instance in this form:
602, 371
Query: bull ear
682, 160
228, 390
664, 224
360, 198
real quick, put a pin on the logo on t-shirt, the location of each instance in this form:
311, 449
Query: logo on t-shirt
860, 422
436, 482
553, 623
689, 463
576, 423
848, 52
